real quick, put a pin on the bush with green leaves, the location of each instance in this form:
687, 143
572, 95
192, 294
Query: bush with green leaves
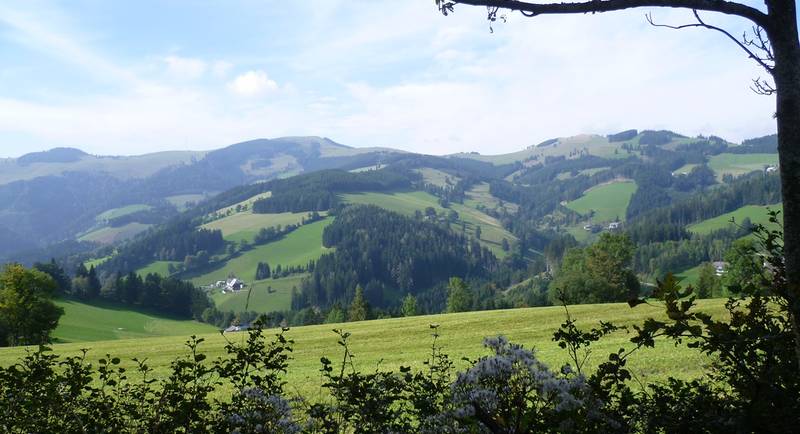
751, 385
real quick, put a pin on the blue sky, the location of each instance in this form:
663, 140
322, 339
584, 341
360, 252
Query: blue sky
133, 77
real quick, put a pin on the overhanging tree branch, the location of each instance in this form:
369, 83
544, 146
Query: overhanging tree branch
598, 6
743, 45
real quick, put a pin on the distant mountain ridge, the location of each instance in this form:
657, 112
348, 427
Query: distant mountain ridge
56, 196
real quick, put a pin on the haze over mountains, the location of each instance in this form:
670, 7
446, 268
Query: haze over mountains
68, 198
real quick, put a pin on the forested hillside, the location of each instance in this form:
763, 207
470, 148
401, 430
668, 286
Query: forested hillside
390, 229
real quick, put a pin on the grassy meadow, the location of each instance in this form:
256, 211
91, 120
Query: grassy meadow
739, 164
109, 235
407, 202
756, 214
104, 321
608, 201
406, 341
266, 295
244, 226
157, 267
296, 248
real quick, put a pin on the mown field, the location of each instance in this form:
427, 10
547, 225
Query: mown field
608, 201
407, 202
109, 235
267, 295
739, 164
122, 211
244, 226
157, 267
106, 321
756, 214
406, 341
296, 248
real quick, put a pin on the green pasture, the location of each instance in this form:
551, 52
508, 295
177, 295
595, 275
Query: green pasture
480, 195
739, 164
756, 214
437, 177
157, 267
266, 295
297, 248
104, 321
244, 226
406, 341
407, 202
110, 235
122, 211
608, 201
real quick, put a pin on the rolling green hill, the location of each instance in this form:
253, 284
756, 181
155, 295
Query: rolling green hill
104, 321
110, 235
406, 341
122, 211
267, 295
738, 164
245, 225
756, 214
608, 201
492, 231
297, 248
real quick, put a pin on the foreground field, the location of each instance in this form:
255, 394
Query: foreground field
105, 321
406, 341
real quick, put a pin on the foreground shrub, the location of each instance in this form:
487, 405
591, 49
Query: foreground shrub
751, 385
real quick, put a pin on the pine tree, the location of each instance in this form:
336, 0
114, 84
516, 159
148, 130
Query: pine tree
359, 308
707, 283
409, 307
459, 296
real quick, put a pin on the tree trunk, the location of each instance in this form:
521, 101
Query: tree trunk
786, 50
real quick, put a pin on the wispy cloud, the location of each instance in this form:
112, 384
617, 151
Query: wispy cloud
370, 74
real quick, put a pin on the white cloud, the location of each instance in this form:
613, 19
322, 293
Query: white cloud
252, 83
410, 79
185, 68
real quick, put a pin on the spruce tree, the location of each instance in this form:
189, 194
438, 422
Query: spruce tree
359, 308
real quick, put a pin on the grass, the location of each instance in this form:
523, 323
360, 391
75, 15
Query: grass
689, 276
110, 235
248, 203
437, 177
107, 321
245, 225
685, 169
608, 201
267, 295
480, 195
157, 267
739, 164
596, 145
586, 172
96, 262
407, 202
297, 248
406, 341
756, 214
122, 211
